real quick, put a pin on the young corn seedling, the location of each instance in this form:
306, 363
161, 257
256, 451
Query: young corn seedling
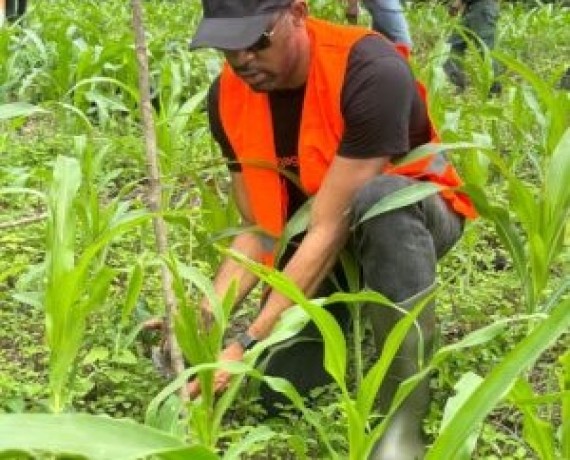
201, 348
74, 285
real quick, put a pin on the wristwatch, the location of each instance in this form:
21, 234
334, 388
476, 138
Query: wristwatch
246, 341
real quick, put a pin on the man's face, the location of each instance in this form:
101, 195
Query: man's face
271, 61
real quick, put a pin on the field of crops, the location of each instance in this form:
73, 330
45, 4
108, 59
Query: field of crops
80, 271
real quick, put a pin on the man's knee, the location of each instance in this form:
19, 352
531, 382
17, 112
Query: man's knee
374, 190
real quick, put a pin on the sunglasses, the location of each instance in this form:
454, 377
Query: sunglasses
264, 40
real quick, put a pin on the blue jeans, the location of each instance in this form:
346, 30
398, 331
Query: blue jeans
388, 19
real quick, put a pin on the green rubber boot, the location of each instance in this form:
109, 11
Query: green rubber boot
403, 439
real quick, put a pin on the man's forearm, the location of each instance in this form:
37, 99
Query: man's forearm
326, 235
310, 264
230, 271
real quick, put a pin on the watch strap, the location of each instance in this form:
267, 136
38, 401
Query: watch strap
246, 341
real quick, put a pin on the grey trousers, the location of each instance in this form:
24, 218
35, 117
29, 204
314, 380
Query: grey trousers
480, 18
397, 253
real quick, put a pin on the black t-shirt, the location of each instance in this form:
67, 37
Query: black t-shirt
382, 110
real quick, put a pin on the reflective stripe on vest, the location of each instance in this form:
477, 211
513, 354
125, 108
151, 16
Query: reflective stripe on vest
246, 119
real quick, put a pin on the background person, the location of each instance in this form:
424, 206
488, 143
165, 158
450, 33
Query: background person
478, 17
387, 18
333, 105
565, 80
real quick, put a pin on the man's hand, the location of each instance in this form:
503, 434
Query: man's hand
351, 11
233, 352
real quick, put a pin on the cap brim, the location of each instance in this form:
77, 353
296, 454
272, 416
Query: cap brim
230, 33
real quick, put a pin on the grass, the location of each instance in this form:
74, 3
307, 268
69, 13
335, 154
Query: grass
43, 66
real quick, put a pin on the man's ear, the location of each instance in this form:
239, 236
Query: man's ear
299, 11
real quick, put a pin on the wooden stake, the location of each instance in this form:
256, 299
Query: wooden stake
155, 191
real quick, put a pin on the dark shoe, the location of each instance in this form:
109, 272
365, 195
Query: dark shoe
455, 74
496, 89
565, 80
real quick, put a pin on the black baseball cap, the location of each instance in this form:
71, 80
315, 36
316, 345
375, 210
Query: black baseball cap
234, 24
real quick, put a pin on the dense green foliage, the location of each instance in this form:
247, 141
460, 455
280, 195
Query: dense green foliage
78, 270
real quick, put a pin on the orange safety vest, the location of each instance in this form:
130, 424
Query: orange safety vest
246, 119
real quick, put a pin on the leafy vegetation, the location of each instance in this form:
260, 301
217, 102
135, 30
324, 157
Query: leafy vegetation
79, 274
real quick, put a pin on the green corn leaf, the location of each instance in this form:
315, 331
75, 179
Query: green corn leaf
296, 225
440, 148
523, 203
557, 195
475, 338
92, 437
550, 398
19, 109
105, 102
60, 293
204, 285
259, 434
404, 390
506, 230
335, 343
539, 263
67, 302
232, 232
133, 290
198, 346
228, 302
181, 117
186, 325
360, 297
464, 388
291, 322
126, 223
538, 433
61, 219
167, 416
357, 439
552, 105
98, 290
375, 376
475, 168
401, 198
564, 383
76, 111
233, 367
194, 102
89, 82
499, 381
215, 216
351, 270
284, 387
558, 176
